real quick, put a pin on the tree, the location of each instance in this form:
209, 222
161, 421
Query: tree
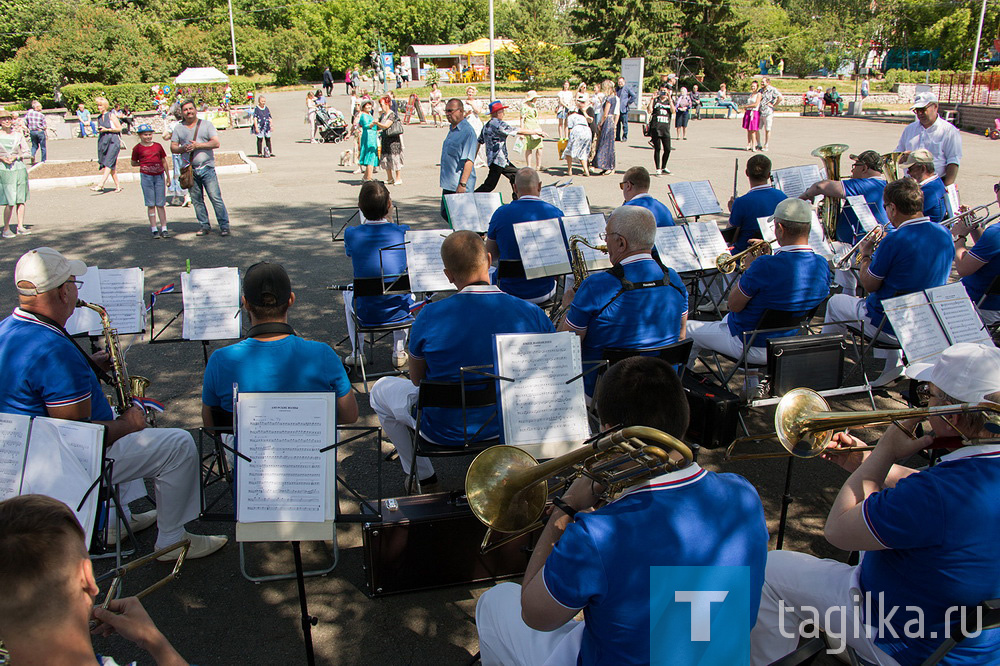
537, 28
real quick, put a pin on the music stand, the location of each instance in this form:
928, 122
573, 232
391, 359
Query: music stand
155, 335
338, 235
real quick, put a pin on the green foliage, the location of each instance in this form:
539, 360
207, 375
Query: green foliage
536, 26
433, 76
139, 96
10, 81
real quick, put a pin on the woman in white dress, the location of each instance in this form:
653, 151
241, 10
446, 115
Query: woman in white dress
473, 108
580, 136
566, 106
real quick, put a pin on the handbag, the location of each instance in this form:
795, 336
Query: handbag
395, 129
186, 179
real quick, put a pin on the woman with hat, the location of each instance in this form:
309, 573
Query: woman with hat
529, 121
580, 136
13, 174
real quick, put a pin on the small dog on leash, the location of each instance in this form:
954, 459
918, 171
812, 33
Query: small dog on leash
348, 158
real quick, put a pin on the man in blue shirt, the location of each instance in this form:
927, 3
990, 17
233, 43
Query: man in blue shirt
759, 202
602, 561
272, 358
626, 98
367, 245
919, 166
929, 537
793, 279
46, 374
979, 265
635, 191
494, 139
448, 335
637, 304
458, 154
917, 256
502, 244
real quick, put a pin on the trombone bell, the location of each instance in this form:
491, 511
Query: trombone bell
790, 420
496, 501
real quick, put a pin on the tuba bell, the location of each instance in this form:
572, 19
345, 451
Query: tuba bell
890, 165
830, 208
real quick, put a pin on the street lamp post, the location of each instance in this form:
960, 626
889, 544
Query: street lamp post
975, 54
232, 38
493, 86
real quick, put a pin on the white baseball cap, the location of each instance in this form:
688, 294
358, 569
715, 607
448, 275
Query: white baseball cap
967, 372
921, 100
46, 269
794, 209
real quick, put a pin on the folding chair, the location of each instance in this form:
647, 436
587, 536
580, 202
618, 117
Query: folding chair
366, 333
868, 343
676, 353
992, 290
958, 632
512, 268
216, 466
462, 396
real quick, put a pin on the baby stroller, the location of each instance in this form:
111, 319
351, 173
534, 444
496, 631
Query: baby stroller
332, 125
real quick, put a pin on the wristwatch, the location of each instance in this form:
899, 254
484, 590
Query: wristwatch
461, 184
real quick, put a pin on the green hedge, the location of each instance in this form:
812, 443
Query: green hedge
894, 76
139, 96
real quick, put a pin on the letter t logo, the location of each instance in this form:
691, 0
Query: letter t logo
701, 603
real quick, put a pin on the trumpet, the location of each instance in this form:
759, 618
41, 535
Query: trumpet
849, 260
804, 424
507, 488
578, 264
727, 263
974, 218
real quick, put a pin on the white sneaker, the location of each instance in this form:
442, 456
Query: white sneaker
399, 360
658, 172
202, 545
139, 522
353, 359
665, 170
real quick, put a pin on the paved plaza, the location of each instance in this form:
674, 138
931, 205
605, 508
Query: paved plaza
281, 214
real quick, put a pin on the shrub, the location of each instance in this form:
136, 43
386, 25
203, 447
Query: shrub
139, 96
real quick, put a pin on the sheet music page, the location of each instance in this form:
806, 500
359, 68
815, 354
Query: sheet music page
574, 200
211, 304
543, 248
539, 407
423, 260
121, 296
707, 241
463, 213
13, 449
282, 434
486, 204
675, 249
53, 468
916, 327
954, 201
793, 181
957, 314
551, 194
85, 440
863, 211
817, 238
590, 227
766, 225
695, 197
85, 320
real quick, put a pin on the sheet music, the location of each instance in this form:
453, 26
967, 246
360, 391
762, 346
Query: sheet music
954, 201
471, 211
590, 227
121, 296
53, 468
539, 409
550, 195
793, 181
707, 241
85, 320
573, 200
543, 248
695, 197
916, 327
863, 211
85, 440
423, 260
817, 238
13, 450
282, 434
957, 314
211, 304
486, 204
675, 250
766, 225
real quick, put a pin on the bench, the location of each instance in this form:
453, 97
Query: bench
710, 105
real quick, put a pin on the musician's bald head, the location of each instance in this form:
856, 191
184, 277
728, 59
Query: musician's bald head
635, 225
527, 182
465, 258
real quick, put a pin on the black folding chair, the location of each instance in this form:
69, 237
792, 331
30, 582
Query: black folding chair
992, 290
366, 333
215, 464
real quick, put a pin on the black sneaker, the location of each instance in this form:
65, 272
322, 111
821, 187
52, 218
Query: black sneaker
203, 232
156, 234
164, 234
224, 232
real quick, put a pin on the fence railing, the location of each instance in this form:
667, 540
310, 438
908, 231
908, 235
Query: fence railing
984, 90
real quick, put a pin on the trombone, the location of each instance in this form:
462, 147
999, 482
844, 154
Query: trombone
849, 260
804, 424
118, 574
974, 218
727, 263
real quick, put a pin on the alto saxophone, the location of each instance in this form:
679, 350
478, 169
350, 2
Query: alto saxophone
578, 264
126, 388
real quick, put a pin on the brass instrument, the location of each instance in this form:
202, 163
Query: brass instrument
830, 208
578, 264
975, 218
849, 260
118, 573
508, 489
125, 387
804, 424
890, 165
727, 263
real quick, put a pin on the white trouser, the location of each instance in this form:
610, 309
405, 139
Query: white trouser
505, 640
715, 335
800, 582
169, 457
393, 399
841, 308
848, 280
538, 300
398, 337
989, 317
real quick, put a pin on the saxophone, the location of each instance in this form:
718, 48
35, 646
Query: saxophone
578, 264
126, 388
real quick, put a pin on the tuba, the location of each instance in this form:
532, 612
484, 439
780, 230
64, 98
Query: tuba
126, 388
507, 488
578, 264
727, 263
830, 208
890, 165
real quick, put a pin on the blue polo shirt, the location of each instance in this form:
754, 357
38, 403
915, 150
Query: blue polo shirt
793, 279
458, 331
362, 245
941, 529
987, 250
43, 369
760, 201
501, 231
638, 319
659, 210
289, 364
935, 199
917, 256
602, 562
460, 146
848, 227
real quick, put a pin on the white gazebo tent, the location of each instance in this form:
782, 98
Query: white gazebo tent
193, 76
